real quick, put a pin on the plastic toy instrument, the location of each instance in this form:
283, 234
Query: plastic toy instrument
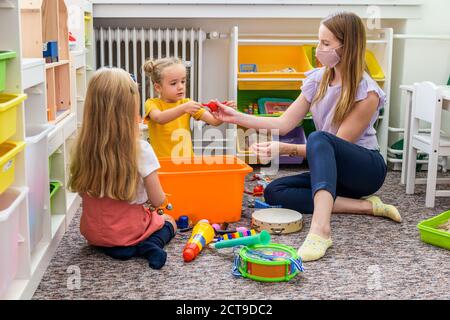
237, 234
260, 238
270, 263
202, 234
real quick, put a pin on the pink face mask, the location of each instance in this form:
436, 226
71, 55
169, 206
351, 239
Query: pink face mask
328, 58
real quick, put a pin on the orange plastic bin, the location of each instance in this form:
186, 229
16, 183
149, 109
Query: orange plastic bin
210, 187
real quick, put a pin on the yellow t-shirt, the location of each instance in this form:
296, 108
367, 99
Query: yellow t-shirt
172, 138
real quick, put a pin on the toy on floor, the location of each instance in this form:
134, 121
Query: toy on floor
260, 238
260, 176
223, 229
258, 191
212, 105
277, 220
268, 262
184, 224
202, 234
258, 204
237, 234
444, 226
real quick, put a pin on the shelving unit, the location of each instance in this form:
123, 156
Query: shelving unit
89, 39
83, 54
46, 126
43, 23
281, 62
15, 262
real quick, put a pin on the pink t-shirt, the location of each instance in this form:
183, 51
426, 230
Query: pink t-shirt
110, 223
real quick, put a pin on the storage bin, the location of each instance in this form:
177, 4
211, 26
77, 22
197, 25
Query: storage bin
374, 68
4, 57
54, 187
36, 160
295, 136
270, 62
431, 235
8, 152
10, 206
209, 187
8, 114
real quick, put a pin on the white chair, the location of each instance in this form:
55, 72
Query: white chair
427, 106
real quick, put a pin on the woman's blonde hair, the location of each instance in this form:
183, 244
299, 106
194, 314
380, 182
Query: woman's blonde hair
154, 68
348, 28
104, 159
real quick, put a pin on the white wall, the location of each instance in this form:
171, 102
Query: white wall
419, 59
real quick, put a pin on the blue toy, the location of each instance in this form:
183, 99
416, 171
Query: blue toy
262, 205
50, 51
247, 67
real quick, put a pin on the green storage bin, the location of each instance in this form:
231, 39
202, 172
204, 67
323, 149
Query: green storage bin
308, 124
4, 57
54, 187
431, 235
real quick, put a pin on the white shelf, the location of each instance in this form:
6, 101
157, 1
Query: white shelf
58, 224
30, 77
379, 43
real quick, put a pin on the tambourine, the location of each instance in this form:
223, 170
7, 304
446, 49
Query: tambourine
269, 263
277, 220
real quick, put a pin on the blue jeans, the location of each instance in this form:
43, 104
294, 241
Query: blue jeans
151, 248
342, 168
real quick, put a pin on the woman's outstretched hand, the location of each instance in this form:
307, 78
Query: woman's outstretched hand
225, 113
270, 149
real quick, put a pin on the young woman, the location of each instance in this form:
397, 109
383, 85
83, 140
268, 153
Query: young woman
343, 154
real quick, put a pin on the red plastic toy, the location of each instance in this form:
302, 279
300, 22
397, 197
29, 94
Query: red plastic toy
258, 190
212, 105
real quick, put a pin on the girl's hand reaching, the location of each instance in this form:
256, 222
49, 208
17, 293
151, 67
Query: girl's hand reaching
191, 107
226, 113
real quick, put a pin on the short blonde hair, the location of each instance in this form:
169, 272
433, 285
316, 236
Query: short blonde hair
154, 68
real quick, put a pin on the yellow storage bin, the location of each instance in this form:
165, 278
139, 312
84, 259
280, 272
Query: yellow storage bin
8, 114
373, 66
278, 62
8, 152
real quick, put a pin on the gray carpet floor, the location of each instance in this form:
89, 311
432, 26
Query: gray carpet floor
371, 258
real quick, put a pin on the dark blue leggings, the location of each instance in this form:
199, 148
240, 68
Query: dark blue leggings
151, 248
342, 168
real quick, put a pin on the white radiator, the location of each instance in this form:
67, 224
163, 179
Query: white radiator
129, 48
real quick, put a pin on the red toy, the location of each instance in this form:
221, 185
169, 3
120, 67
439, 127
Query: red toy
257, 191
212, 105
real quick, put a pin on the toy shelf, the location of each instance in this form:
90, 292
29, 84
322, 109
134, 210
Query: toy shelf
58, 199
275, 67
257, 59
44, 22
34, 223
89, 40
58, 91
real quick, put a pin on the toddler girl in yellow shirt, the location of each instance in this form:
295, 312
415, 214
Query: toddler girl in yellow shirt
169, 115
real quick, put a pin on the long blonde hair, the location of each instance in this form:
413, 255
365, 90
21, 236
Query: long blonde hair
104, 159
348, 28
